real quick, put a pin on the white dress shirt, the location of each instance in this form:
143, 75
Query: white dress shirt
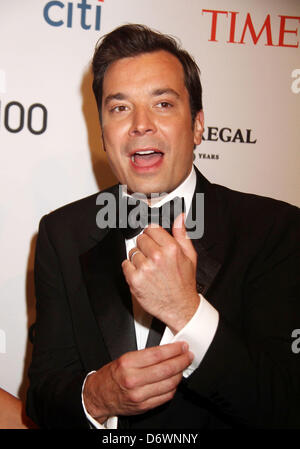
201, 328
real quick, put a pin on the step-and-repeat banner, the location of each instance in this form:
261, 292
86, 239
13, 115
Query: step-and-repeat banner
50, 140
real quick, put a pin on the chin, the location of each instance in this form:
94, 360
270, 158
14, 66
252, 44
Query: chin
141, 187
155, 189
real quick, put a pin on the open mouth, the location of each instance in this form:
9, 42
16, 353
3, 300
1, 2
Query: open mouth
146, 158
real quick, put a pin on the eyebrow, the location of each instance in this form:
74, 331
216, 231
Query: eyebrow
118, 96
163, 91
154, 93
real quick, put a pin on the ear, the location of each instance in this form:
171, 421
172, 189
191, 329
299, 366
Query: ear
198, 127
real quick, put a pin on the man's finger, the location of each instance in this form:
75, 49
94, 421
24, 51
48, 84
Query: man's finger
136, 253
158, 234
154, 355
146, 244
181, 237
153, 402
128, 269
165, 370
155, 390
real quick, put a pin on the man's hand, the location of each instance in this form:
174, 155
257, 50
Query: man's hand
136, 382
162, 274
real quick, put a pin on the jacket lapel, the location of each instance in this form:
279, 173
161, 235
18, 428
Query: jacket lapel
156, 332
109, 293
209, 258
207, 268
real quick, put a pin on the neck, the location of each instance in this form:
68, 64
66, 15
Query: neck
153, 199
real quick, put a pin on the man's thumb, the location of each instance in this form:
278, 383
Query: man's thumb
180, 235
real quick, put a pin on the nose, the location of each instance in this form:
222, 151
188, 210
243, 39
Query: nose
142, 122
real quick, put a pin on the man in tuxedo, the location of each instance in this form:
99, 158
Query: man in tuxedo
164, 329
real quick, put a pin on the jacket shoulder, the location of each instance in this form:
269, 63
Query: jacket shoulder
82, 209
251, 214
249, 203
75, 221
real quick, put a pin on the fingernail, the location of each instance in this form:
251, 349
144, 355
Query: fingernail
185, 347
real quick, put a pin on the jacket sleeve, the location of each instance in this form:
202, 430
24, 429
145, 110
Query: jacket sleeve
56, 373
250, 373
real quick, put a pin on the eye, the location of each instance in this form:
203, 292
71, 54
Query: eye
164, 105
120, 108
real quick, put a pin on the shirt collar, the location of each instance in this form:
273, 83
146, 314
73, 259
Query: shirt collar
185, 190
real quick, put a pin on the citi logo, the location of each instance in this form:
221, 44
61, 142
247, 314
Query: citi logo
68, 14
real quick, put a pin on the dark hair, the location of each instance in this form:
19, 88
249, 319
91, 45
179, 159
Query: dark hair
132, 40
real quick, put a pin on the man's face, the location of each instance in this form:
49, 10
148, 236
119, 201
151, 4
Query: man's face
146, 122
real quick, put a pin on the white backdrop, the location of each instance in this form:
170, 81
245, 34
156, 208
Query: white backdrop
50, 145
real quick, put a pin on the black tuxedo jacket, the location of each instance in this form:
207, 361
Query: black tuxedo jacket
248, 269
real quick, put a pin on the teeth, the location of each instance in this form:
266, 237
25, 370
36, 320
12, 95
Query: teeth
142, 153
145, 152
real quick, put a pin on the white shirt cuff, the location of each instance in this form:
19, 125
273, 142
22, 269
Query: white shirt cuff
198, 333
110, 423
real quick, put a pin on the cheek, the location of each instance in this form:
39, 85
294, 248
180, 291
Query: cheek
171, 134
114, 127
180, 128
115, 159
113, 141
109, 135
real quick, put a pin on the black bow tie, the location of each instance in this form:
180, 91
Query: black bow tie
139, 215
